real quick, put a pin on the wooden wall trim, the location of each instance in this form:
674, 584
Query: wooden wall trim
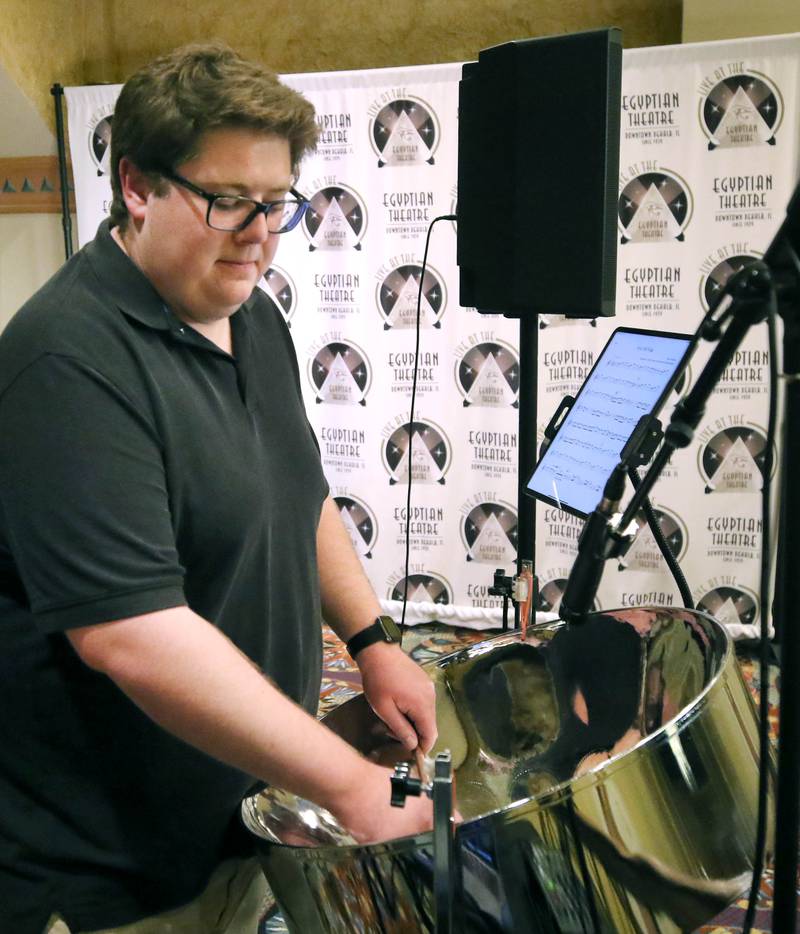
31, 185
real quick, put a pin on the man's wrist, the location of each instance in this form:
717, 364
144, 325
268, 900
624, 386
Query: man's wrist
382, 630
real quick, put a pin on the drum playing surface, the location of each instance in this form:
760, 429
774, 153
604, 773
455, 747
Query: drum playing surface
561, 740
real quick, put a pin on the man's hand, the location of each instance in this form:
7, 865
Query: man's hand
400, 693
369, 816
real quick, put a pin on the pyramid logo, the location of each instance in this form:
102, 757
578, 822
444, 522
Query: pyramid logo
340, 374
405, 132
644, 553
489, 533
360, 523
423, 588
336, 219
712, 285
550, 594
730, 606
655, 207
488, 375
743, 110
733, 461
548, 598
280, 290
100, 143
419, 451
417, 461
399, 293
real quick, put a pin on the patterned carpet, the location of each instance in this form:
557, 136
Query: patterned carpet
426, 642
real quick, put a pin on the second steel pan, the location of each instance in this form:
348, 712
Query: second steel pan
607, 776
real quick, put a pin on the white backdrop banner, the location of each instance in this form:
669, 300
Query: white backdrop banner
709, 158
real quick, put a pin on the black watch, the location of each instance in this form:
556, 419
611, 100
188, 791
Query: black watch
384, 629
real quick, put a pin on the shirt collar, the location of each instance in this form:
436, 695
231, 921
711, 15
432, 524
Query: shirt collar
128, 286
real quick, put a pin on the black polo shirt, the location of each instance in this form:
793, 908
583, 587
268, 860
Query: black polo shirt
141, 467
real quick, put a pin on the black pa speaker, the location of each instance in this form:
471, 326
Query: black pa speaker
538, 168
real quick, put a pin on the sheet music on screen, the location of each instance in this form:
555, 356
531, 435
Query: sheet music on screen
633, 376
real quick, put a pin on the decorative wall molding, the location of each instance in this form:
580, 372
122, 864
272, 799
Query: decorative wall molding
31, 185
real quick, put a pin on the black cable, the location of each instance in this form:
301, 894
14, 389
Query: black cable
663, 547
443, 217
764, 644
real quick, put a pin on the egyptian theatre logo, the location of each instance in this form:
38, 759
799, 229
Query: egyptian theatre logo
730, 605
644, 554
423, 588
340, 374
398, 293
404, 131
714, 281
551, 592
490, 534
418, 449
488, 375
280, 291
100, 140
732, 460
360, 523
336, 219
654, 207
742, 109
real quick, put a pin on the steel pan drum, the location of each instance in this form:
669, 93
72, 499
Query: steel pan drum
606, 773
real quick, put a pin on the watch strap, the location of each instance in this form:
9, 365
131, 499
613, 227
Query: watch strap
383, 629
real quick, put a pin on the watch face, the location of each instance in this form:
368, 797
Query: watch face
390, 628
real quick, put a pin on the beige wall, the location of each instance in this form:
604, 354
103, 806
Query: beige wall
47, 41
31, 250
317, 35
92, 41
731, 19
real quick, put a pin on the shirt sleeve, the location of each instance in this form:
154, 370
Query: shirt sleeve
84, 505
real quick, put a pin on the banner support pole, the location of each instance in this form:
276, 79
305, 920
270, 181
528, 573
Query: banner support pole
66, 218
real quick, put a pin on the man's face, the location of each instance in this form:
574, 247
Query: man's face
204, 275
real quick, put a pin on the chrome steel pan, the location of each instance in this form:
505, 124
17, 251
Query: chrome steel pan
607, 775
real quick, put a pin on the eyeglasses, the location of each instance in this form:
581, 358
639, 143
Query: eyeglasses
233, 212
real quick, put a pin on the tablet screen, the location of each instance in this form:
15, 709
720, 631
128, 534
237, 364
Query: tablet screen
631, 378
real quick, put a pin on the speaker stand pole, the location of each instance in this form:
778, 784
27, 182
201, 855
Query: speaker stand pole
527, 440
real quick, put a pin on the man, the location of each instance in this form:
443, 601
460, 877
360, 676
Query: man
165, 532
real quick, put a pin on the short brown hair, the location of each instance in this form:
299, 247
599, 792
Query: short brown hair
165, 108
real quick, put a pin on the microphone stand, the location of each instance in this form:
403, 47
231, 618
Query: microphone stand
749, 291
743, 303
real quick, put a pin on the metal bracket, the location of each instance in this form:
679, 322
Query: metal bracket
441, 791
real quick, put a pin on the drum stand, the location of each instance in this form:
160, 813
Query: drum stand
441, 791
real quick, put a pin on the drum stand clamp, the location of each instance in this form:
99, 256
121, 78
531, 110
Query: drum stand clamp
440, 789
520, 589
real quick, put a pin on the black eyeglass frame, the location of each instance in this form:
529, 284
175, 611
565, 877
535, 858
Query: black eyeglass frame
259, 207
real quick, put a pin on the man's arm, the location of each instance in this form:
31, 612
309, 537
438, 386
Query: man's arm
190, 679
397, 688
